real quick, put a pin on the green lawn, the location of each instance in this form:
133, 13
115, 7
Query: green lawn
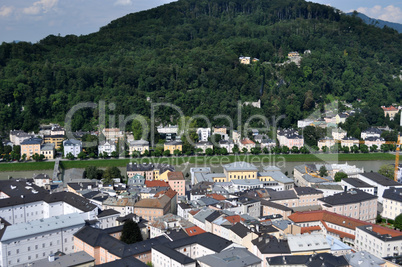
32, 166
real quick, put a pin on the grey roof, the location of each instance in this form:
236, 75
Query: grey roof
307, 242
18, 187
268, 244
201, 215
280, 195
328, 186
373, 130
208, 240
271, 168
208, 201
233, 257
380, 179
72, 142
355, 182
73, 259
247, 182
214, 215
173, 254
307, 208
32, 141
277, 176
48, 146
174, 143
312, 179
36, 227
363, 258
352, 196
393, 194
240, 230
139, 143
74, 200
108, 212
275, 205
125, 262
314, 260
301, 191
281, 224
240, 166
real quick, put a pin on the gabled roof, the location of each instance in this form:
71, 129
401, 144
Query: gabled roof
269, 244
380, 179
281, 195
194, 230
32, 141
108, 212
240, 166
173, 176
301, 191
393, 194
356, 182
352, 196
156, 183
233, 257
173, 254
240, 230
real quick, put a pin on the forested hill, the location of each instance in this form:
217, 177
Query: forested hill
186, 53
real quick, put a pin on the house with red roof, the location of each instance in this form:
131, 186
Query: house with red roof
390, 111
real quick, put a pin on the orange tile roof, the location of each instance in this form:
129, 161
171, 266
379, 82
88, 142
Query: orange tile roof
169, 193
195, 230
216, 196
391, 108
386, 231
309, 229
234, 219
247, 141
175, 176
155, 183
193, 212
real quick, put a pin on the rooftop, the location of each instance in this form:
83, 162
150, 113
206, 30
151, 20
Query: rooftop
352, 196
380, 179
74, 259
233, 257
240, 166
356, 182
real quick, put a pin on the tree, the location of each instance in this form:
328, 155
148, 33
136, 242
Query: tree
295, 150
136, 154
166, 153
209, 151
82, 155
244, 150
177, 152
91, 172
131, 232
115, 154
387, 170
235, 149
324, 149
364, 148
70, 156
24, 157
398, 222
110, 173
339, 176
373, 148
323, 171
285, 150
378, 219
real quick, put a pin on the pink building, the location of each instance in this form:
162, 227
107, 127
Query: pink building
177, 183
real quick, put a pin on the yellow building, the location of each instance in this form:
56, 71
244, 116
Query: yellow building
57, 140
47, 150
30, 147
172, 146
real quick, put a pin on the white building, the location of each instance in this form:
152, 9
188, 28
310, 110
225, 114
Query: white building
338, 133
138, 145
203, 134
392, 203
304, 123
380, 183
371, 132
72, 146
204, 145
228, 144
25, 242
379, 241
106, 146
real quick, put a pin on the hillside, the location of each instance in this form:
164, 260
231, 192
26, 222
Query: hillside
378, 22
186, 53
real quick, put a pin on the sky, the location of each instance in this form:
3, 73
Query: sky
33, 20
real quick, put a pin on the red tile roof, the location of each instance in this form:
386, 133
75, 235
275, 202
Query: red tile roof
193, 212
309, 229
169, 193
216, 196
155, 183
195, 230
386, 231
234, 219
247, 141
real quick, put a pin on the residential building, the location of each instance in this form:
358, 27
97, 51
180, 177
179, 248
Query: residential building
172, 146
245, 60
72, 146
267, 143
355, 183
246, 144
273, 208
374, 141
57, 130
203, 134
308, 244
290, 138
47, 150
236, 136
223, 130
57, 140
326, 142
351, 170
390, 111
75, 259
380, 183
151, 208
177, 183
30, 147
149, 171
338, 133
136, 180
349, 142
392, 203
354, 203
321, 259
123, 205
229, 258
18, 136
228, 144
37, 239
371, 132
107, 147
42, 179
329, 189
307, 196
304, 123
138, 145
204, 145
238, 170
379, 241
198, 172
269, 246
113, 134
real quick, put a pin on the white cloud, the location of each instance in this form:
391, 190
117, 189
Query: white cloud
6, 11
389, 13
42, 6
123, 3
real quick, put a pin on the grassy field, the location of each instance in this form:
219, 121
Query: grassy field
201, 160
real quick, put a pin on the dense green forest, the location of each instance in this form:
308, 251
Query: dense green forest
186, 53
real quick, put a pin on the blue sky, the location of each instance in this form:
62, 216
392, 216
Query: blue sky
32, 20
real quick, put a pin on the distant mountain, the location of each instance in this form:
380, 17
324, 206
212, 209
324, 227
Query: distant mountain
379, 23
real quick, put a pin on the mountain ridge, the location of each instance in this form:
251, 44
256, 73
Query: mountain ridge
378, 22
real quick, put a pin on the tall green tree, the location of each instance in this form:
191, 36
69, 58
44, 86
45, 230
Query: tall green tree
131, 232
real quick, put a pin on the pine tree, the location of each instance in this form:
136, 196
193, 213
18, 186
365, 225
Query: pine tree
131, 232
